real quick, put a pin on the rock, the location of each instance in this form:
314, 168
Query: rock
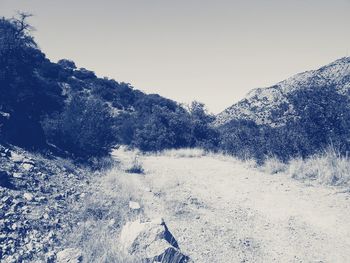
134, 205
111, 222
27, 166
7, 200
46, 216
5, 152
17, 158
28, 196
17, 175
151, 241
69, 255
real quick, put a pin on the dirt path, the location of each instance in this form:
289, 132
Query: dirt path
220, 210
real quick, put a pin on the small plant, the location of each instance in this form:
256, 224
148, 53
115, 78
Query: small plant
136, 167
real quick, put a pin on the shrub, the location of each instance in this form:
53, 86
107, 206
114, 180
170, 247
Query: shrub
84, 128
136, 167
244, 139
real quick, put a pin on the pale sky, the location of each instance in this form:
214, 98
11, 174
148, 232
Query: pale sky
212, 51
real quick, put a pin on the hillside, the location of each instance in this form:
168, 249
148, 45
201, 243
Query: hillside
272, 106
69, 110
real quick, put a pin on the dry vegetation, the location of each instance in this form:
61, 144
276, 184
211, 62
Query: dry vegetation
101, 215
328, 168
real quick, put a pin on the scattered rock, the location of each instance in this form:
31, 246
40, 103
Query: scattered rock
69, 255
134, 205
111, 222
28, 196
151, 241
46, 216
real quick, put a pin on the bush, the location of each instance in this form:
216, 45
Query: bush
136, 167
244, 139
84, 128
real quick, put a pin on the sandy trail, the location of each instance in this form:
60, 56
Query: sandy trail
223, 211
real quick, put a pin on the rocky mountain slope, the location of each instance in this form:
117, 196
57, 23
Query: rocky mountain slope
35, 195
52, 210
271, 105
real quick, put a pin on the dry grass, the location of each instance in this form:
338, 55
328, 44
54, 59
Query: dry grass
101, 215
184, 153
273, 166
328, 168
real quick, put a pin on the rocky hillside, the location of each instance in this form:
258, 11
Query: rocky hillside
54, 211
35, 193
272, 106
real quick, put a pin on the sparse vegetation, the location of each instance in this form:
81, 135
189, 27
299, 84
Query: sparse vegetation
101, 214
184, 153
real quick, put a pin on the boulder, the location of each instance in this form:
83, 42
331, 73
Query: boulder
28, 196
17, 158
134, 205
69, 255
150, 241
27, 166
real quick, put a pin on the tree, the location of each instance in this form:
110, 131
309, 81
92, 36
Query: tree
24, 94
84, 128
202, 132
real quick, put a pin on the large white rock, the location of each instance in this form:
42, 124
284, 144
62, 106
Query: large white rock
27, 166
69, 255
28, 196
150, 241
134, 205
17, 158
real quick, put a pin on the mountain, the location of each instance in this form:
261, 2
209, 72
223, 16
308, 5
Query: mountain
271, 105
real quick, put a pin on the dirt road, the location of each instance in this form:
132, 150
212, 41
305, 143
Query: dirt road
220, 210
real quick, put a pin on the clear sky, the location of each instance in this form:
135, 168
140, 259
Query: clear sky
212, 51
